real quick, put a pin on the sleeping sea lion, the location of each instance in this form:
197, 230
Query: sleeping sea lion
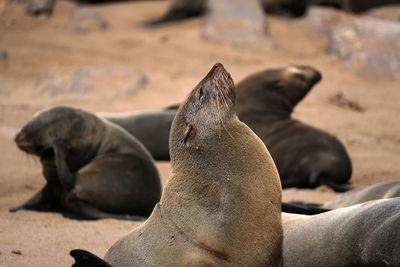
305, 156
361, 235
359, 195
222, 203
93, 168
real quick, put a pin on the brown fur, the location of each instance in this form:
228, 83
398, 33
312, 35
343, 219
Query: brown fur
305, 156
93, 168
361, 235
222, 203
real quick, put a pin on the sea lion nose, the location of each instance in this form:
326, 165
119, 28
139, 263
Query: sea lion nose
20, 137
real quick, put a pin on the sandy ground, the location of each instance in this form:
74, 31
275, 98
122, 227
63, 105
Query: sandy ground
174, 58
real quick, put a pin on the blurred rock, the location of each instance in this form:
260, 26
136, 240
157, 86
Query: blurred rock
391, 12
3, 55
106, 82
323, 19
40, 7
341, 101
83, 20
369, 45
239, 22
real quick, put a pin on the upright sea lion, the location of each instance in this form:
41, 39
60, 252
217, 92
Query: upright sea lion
305, 156
359, 195
362, 235
93, 168
151, 128
222, 203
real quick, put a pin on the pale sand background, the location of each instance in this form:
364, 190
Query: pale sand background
175, 59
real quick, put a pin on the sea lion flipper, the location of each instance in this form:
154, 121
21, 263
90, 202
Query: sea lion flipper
47, 199
302, 209
67, 179
84, 258
336, 187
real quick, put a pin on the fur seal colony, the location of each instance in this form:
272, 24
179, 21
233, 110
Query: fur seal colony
305, 156
361, 235
359, 195
222, 175
93, 168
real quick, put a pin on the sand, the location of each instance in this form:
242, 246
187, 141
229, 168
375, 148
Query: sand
174, 58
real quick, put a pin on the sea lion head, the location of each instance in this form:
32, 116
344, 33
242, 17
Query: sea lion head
55, 124
207, 110
294, 82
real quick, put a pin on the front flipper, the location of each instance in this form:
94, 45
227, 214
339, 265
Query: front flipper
47, 199
84, 258
301, 209
66, 177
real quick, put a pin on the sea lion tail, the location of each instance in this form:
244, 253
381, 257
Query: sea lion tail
84, 258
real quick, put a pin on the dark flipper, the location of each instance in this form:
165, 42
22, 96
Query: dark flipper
336, 187
67, 178
84, 258
47, 199
301, 209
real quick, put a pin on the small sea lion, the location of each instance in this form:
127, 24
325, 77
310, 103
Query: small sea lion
93, 168
151, 128
222, 203
305, 156
362, 235
359, 195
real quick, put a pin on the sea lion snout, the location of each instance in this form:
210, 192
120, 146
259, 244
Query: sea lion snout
24, 142
219, 83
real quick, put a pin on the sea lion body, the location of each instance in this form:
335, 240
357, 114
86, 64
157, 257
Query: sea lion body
360, 195
305, 156
361, 235
93, 168
150, 128
222, 203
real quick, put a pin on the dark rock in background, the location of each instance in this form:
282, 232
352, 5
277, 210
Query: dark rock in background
82, 20
40, 7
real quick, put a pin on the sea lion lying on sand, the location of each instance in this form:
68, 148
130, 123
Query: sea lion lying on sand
305, 156
359, 195
362, 235
222, 203
93, 168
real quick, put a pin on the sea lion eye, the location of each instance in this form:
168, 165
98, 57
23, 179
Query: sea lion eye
187, 132
201, 96
301, 77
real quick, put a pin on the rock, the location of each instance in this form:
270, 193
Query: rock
40, 7
3, 55
83, 20
16, 251
239, 22
106, 82
321, 20
369, 45
391, 12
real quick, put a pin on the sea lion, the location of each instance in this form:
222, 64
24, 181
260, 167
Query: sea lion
222, 203
179, 10
151, 128
362, 235
93, 168
359, 195
305, 156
